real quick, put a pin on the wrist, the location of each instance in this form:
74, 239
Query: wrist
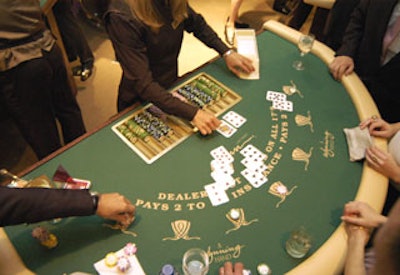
228, 53
95, 200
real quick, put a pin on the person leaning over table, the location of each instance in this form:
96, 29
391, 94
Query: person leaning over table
370, 47
147, 37
30, 205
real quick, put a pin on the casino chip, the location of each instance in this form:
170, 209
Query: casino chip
263, 269
123, 264
111, 259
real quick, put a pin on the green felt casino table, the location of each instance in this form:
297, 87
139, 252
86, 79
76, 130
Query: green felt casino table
306, 151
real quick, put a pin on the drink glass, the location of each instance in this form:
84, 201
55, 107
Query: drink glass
195, 262
299, 243
304, 44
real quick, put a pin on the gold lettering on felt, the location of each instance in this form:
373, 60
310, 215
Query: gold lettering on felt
237, 223
304, 121
299, 155
239, 147
182, 196
281, 191
328, 147
291, 89
118, 226
223, 254
181, 230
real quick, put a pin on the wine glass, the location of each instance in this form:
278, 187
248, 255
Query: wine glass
304, 44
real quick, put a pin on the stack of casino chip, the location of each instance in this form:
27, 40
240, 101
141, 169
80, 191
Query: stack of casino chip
191, 97
132, 131
200, 94
152, 125
210, 87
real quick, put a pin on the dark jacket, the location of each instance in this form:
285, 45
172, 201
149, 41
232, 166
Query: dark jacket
29, 205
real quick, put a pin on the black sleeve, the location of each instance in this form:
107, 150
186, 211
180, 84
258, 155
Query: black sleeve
198, 26
29, 205
354, 31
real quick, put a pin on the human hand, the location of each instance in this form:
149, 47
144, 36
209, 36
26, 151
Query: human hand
359, 213
341, 65
205, 122
229, 269
357, 234
116, 207
378, 127
383, 162
239, 64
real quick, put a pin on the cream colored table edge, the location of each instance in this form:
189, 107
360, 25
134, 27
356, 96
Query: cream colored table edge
330, 257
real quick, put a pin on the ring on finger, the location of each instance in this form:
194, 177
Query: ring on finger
374, 117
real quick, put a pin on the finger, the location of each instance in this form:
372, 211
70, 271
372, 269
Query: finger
348, 70
239, 268
221, 271
228, 268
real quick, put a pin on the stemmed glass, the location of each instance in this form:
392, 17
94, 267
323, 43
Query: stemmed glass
304, 44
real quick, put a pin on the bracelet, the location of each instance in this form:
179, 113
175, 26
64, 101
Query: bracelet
228, 53
95, 200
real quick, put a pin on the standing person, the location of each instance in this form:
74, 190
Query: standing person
33, 80
370, 47
74, 39
147, 37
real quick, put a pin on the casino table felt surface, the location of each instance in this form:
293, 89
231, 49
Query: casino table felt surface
173, 214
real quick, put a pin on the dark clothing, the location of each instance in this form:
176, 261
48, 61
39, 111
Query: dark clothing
29, 205
337, 22
74, 40
149, 59
300, 14
363, 42
34, 87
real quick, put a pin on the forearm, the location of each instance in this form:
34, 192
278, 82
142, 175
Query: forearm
37, 204
355, 257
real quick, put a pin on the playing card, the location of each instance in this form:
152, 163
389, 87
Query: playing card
222, 166
225, 129
251, 152
275, 96
283, 105
226, 181
256, 166
216, 194
234, 119
221, 153
255, 179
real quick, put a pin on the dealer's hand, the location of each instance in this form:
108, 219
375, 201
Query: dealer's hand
205, 122
238, 64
